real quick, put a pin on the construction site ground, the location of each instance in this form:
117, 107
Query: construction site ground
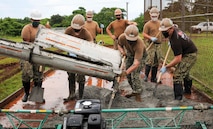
56, 89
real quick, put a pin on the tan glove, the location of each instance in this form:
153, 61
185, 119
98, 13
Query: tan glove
123, 74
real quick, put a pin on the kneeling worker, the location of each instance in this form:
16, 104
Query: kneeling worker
132, 46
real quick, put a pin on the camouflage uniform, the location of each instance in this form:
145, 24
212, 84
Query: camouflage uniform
183, 68
154, 52
133, 52
30, 71
182, 45
134, 78
72, 77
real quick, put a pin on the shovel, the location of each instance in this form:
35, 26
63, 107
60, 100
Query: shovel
160, 74
37, 94
116, 84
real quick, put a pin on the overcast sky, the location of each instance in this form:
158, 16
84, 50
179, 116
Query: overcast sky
22, 8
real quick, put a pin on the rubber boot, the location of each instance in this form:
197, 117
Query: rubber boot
72, 94
26, 86
138, 97
38, 84
178, 90
81, 90
147, 70
154, 73
187, 86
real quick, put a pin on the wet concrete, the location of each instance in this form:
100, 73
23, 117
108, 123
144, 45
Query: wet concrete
56, 89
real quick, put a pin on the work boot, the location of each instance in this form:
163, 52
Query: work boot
25, 98
72, 94
138, 97
154, 73
178, 90
187, 86
147, 70
38, 84
81, 90
26, 86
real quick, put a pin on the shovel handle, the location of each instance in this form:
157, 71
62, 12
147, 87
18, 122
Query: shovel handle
122, 66
164, 63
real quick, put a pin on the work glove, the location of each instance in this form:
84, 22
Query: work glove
163, 70
169, 44
73, 55
102, 26
123, 74
153, 39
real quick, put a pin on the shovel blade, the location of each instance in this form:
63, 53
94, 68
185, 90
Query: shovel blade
37, 94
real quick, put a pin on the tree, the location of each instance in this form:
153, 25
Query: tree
140, 21
56, 20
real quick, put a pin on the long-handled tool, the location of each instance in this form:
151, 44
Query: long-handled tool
152, 42
160, 74
116, 84
37, 92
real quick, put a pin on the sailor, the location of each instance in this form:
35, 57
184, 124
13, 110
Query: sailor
31, 71
91, 25
133, 47
117, 27
77, 30
185, 56
152, 34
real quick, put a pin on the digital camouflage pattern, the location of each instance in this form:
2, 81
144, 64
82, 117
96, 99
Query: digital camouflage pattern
183, 68
153, 55
134, 78
31, 71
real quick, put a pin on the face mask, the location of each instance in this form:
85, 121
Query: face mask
154, 18
165, 34
131, 42
35, 23
89, 19
118, 18
76, 30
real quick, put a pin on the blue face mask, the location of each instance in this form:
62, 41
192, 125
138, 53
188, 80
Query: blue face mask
35, 23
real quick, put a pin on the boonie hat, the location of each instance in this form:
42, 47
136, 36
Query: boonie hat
77, 21
165, 24
118, 12
131, 33
89, 14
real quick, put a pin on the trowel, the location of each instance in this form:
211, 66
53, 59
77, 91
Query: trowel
37, 94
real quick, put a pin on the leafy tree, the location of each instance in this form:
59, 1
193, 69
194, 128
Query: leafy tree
56, 20
140, 21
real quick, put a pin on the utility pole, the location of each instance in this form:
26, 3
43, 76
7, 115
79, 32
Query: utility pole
127, 10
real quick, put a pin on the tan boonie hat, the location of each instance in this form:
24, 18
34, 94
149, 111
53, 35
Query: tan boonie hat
131, 33
118, 12
165, 24
89, 14
77, 21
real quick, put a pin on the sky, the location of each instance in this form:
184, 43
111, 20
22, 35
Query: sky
22, 8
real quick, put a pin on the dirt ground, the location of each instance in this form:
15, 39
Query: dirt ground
163, 98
